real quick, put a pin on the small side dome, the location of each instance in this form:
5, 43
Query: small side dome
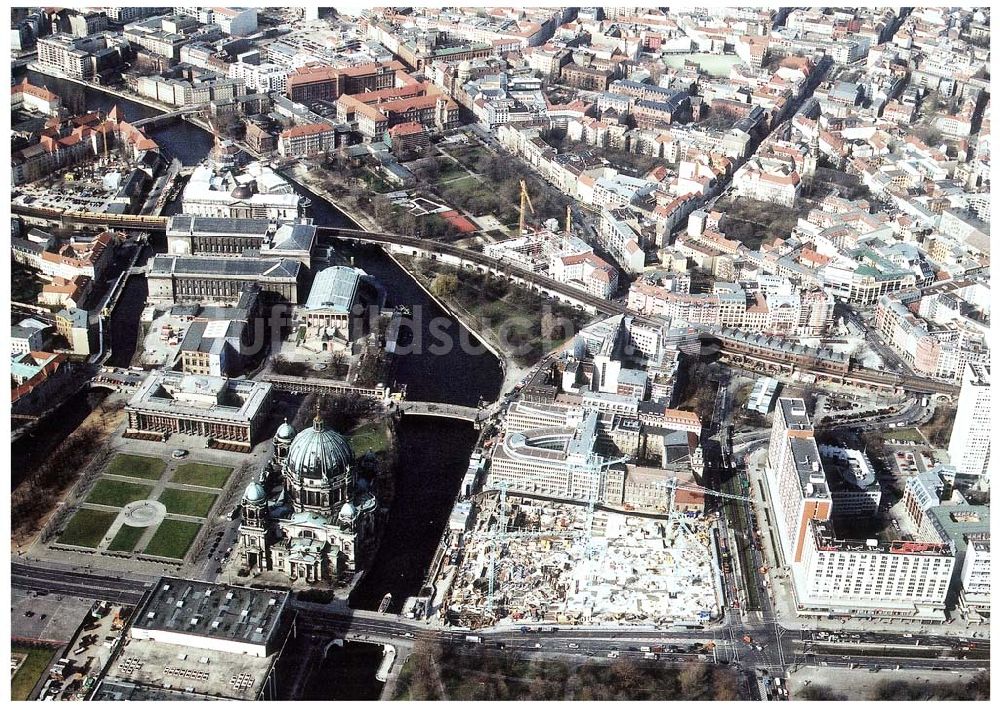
347, 512
285, 431
255, 493
245, 191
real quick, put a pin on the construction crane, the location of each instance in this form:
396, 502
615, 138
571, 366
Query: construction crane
525, 204
673, 485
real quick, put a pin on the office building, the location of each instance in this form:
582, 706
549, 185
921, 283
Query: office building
975, 593
306, 140
833, 576
969, 447
82, 57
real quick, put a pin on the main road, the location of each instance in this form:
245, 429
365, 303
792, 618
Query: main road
779, 648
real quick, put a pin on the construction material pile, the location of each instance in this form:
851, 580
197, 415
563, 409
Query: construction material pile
560, 563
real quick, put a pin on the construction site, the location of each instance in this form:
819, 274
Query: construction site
530, 561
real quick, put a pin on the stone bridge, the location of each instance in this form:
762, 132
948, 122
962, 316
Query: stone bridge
454, 411
154, 121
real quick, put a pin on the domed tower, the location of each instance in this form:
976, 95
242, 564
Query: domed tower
464, 72
253, 529
319, 470
282, 440
347, 516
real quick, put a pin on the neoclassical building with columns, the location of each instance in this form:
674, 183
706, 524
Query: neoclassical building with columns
311, 515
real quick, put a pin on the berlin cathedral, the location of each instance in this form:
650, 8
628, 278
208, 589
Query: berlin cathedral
312, 514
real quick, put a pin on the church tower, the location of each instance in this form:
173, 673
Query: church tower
253, 528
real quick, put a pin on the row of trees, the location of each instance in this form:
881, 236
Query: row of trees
752, 222
976, 689
525, 323
437, 672
401, 221
500, 192
336, 367
33, 499
623, 160
342, 412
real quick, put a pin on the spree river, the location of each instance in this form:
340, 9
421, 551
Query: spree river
434, 451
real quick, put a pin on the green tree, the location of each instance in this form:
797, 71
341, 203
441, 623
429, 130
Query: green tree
444, 285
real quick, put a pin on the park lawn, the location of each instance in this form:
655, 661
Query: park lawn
30, 671
116, 493
88, 527
371, 436
126, 538
902, 434
468, 156
172, 539
202, 474
449, 169
137, 466
187, 502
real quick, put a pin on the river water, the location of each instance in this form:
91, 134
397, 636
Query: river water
434, 451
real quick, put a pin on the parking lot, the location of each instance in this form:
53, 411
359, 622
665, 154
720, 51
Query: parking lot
45, 617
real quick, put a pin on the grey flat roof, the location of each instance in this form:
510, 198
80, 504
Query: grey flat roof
233, 267
191, 224
294, 237
794, 411
958, 522
202, 338
199, 396
235, 613
808, 466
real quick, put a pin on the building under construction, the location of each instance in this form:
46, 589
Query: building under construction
528, 561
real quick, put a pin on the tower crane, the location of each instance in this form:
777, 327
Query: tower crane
673, 485
525, 204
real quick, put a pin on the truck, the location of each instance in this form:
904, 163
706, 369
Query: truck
650, 656
645, 648
473, 638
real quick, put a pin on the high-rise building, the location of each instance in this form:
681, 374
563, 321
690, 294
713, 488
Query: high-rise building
835, 576
798, 476
969, 447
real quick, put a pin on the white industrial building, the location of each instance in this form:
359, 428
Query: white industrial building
762, 397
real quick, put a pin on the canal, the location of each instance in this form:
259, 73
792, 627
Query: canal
434, 451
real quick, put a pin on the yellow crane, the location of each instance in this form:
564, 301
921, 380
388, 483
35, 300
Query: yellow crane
525, 203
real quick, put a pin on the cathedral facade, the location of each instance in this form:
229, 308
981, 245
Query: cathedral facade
311, 515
